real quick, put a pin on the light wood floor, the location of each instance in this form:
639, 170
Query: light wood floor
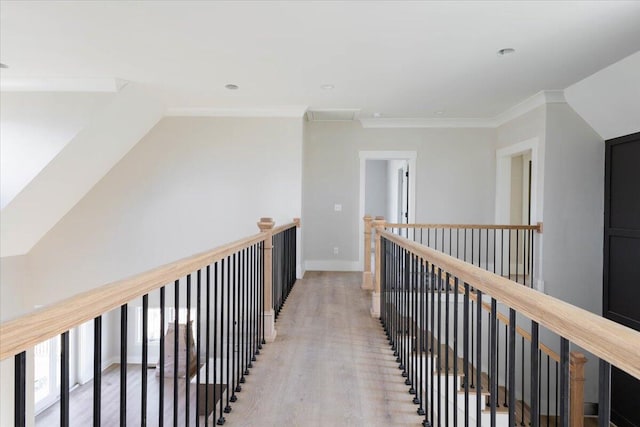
330, 366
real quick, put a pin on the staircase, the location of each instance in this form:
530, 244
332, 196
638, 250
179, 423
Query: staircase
447, 398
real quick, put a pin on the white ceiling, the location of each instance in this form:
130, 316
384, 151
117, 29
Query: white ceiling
403, 59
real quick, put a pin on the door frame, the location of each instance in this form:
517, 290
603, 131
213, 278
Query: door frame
410, 157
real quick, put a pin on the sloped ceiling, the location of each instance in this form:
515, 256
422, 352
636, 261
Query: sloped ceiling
76, 167
609, 100
34, 128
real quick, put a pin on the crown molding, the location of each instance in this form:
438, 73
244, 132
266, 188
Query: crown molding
541, 98
531, 103
61, 85
290, 111
425, 123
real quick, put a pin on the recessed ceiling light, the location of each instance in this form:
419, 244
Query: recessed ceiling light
377, 115
3, 65
231, 86
506, 51
439, 112
327, 87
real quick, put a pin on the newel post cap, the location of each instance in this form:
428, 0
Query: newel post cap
379, 222
266, 224
296, 221
367, 217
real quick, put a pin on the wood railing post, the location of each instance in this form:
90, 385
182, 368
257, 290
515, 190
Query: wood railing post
266, 226
378, 224
367, 279
576, 389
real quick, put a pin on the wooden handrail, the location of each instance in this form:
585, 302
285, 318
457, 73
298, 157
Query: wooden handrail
285, 227
26, 331
610, 341
537, 227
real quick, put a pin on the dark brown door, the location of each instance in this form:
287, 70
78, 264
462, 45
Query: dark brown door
621, 299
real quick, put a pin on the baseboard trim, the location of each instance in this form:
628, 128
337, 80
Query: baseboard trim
331, 265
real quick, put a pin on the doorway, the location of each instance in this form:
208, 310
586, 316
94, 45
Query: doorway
387, 188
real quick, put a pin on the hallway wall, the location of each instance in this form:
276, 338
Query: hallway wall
454, 182
189, 185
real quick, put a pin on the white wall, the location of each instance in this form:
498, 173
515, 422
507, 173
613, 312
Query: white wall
375, 201
574, 216
189, 185
454, 181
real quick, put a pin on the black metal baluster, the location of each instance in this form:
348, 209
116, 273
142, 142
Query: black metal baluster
20, 389
97, 369
198, 341
472, 337
123, 364
535, 375
246, 254
227, 377
240, 321
456, 377
509, 257
431, 348
548, 389
506, 366
207, 346
489, 350
604, 393
145, 359
446, 350
497, 350
511, 388
522, 385
262, 308
220, 421
532, 258
478, 365
564, 381
557, 395
64, 379
493, 360
234, 324
162, 356
176, 351
187, 374
517, 253
465, 350
413, 346
422, 333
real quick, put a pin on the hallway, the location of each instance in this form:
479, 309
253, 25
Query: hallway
330, 365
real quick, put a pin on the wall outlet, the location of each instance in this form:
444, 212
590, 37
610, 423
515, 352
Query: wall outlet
336, 250
337, 207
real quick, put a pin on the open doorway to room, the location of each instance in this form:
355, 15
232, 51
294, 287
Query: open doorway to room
517, 192
387, 187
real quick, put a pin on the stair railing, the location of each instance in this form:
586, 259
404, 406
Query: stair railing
442, 348
506, 250
230, 292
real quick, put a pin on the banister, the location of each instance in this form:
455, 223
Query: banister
24, 332
610, 341
281, 228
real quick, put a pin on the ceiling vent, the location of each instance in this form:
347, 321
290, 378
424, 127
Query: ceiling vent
333, 115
